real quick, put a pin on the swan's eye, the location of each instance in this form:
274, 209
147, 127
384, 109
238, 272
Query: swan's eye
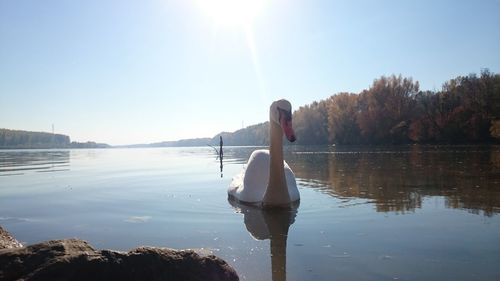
285, 114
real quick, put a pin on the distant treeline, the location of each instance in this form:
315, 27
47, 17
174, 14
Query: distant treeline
253, 135
26, 139
394, 111
17, 139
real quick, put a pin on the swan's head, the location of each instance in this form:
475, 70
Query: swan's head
281, 113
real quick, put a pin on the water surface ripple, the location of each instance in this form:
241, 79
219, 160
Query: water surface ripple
366, 213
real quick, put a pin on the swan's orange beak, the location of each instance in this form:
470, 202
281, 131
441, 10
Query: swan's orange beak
286, 125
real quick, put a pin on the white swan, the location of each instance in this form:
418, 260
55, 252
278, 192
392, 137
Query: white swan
267, 179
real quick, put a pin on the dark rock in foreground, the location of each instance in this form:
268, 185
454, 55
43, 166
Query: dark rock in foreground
74, 259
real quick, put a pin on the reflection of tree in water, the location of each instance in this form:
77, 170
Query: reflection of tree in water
476, 184
398, 180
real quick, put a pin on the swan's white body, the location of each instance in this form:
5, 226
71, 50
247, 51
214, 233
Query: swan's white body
251, 184
267, 179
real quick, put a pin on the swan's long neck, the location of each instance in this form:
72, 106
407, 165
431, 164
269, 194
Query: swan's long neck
277, 190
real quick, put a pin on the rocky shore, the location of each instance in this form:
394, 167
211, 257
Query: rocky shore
74, 259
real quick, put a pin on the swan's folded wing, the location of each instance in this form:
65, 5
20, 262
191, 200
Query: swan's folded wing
250, 185
293, 191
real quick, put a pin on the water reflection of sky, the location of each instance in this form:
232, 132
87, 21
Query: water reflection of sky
18, 162
365, 213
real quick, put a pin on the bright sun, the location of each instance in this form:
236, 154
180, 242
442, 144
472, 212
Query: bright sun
232, 12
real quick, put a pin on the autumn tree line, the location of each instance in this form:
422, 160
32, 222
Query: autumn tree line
394, 111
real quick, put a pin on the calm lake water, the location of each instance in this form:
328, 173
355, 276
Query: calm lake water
366, 213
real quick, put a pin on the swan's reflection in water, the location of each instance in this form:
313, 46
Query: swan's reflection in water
272, 224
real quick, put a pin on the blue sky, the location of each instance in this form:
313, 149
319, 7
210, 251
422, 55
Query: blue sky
126, 72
